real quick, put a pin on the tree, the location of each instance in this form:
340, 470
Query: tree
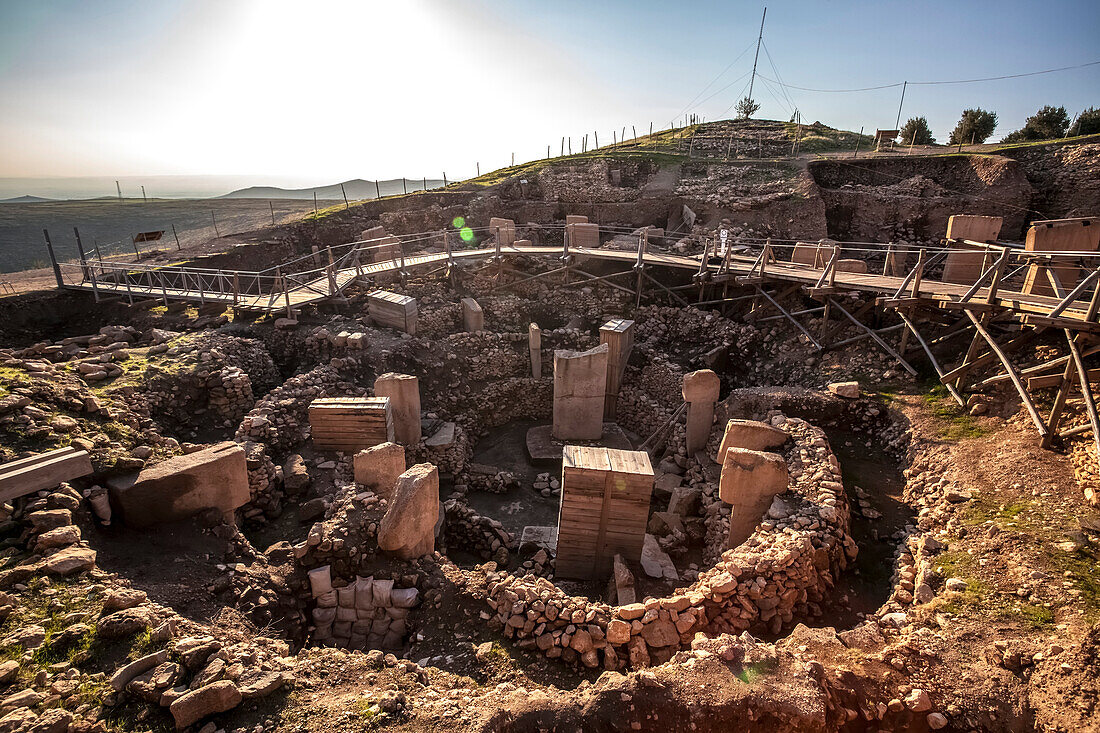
1088, 123
1046, 124
746, 108
975, 126
916, 132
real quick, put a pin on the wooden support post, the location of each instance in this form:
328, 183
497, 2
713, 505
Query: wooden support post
331, 272
931, 358
1086, 391
286, 295
236, 288
53, 259
789, 317
1013, 375
639, 267
918, 273
1072, 360
878, 339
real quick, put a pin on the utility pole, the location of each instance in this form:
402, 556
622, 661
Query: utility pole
143, 199
119, 191
759, 40
898, 122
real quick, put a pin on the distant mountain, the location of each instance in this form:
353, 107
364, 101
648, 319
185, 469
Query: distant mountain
356, 190
25, 200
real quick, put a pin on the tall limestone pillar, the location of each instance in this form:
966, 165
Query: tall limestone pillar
404, 393
580, 383
534, 342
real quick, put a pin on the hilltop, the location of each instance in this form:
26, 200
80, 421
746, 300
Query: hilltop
356, 189
25, 200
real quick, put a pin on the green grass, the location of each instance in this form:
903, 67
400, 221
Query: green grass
984, 509
753, 672
367, 710
9, 378
822, 139
955, 423
1082, 569
980, 598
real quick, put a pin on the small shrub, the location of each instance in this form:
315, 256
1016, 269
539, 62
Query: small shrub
915, 132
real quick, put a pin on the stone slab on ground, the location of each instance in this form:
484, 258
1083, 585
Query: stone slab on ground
542, 447
212, 478
534, 539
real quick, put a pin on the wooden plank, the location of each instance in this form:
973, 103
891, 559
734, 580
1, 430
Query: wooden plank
44, 471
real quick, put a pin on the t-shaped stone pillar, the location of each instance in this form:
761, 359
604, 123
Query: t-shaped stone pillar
407, 531
700, 392
404, 393
749, 481
750, 434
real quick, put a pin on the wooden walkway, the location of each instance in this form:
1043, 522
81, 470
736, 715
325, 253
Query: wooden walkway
217, 287
1001, 310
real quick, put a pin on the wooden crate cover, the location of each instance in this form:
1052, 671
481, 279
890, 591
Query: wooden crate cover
604, 509
350, 423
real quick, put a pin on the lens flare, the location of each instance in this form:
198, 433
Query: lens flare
458, 222
467, 234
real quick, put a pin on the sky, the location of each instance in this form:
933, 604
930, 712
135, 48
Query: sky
309, 93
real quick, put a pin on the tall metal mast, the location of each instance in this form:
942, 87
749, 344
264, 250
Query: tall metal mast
757, 58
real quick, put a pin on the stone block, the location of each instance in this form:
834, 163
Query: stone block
974, 228
504, 230
407, 531
624, 582
534, 539
685, 501
534, 342
580, 384
848, 390
212, 478
583, 235
379, 467
808, 253
751, 435
618, 334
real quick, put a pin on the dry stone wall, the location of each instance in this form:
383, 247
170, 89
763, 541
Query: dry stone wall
281, 419
784, 570
469, 531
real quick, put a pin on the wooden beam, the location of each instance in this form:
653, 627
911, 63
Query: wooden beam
878, 339
989, 357
790, 318
931, 358
1016, 382
42, 471
1086, 391
1053, 380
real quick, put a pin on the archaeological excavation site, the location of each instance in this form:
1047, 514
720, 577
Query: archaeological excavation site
649, 438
